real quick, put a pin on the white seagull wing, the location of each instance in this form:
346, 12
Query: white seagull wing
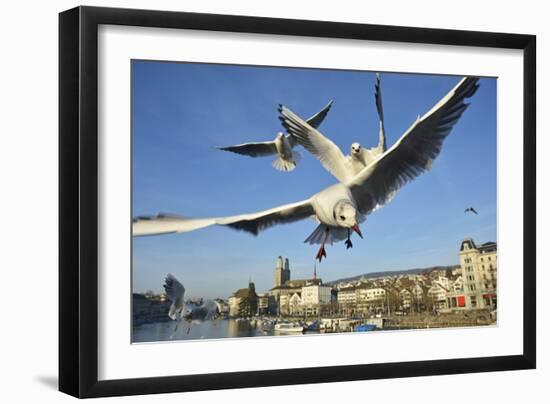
174, 289
209, 310
316, 120
255, 149
251, 222
312, 140
313, 121
413, 153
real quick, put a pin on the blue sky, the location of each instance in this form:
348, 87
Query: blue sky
182, 111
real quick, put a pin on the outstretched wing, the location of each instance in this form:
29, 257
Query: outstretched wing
316, 120
252, 222
174, 289
312, 140
256, 149
413, 153
209, 310
378, 100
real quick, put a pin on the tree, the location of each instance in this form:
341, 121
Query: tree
248, 306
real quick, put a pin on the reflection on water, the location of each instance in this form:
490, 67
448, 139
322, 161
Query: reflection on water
162, 331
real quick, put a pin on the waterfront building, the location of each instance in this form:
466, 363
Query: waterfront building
145, 309
244, 302
479, 274
369, 298
347, 296
406, 298
314, 297
438, 295
294, 304
296, 296
266, 304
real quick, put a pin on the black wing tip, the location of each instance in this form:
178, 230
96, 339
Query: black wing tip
470, 86
160, 215
231, 149
254, 230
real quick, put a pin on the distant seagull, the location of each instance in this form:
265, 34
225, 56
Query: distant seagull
282, 146
190, 312
330, 155
471, 210
341, 207
175, 293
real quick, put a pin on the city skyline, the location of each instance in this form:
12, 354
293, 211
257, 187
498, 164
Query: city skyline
181, 112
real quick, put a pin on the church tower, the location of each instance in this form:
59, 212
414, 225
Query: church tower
286, 272
279, 271
282, 271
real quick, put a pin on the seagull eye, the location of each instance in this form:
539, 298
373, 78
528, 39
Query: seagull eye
343, 217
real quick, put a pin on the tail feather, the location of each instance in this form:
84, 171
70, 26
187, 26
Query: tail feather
335, 234
286, 165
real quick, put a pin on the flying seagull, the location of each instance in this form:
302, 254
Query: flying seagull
471, 210
282, 146
179, 310
175, 293
340, 208
330, 155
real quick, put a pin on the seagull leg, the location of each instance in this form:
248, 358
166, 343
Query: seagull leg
349, 244
322, 252
175, 329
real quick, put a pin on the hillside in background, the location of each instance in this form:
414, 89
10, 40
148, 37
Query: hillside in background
381, 274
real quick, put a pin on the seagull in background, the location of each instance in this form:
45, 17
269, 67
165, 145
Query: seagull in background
175, 293
330, 155
471, 210
340, 208
282, 146
190, 312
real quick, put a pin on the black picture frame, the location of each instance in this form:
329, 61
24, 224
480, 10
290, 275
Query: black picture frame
78, 200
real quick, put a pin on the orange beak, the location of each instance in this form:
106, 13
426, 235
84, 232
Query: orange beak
356, 229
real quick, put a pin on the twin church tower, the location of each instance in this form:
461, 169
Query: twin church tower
282, 272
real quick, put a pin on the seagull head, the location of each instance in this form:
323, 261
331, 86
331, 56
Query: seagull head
280, 135
187, 312
355, 149
346, 216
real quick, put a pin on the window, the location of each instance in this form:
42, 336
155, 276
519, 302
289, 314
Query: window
483, 266
473, 301
481, 259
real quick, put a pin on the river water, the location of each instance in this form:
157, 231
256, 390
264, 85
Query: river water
164, 330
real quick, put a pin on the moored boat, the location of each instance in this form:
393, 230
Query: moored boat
289, 327
364, 327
